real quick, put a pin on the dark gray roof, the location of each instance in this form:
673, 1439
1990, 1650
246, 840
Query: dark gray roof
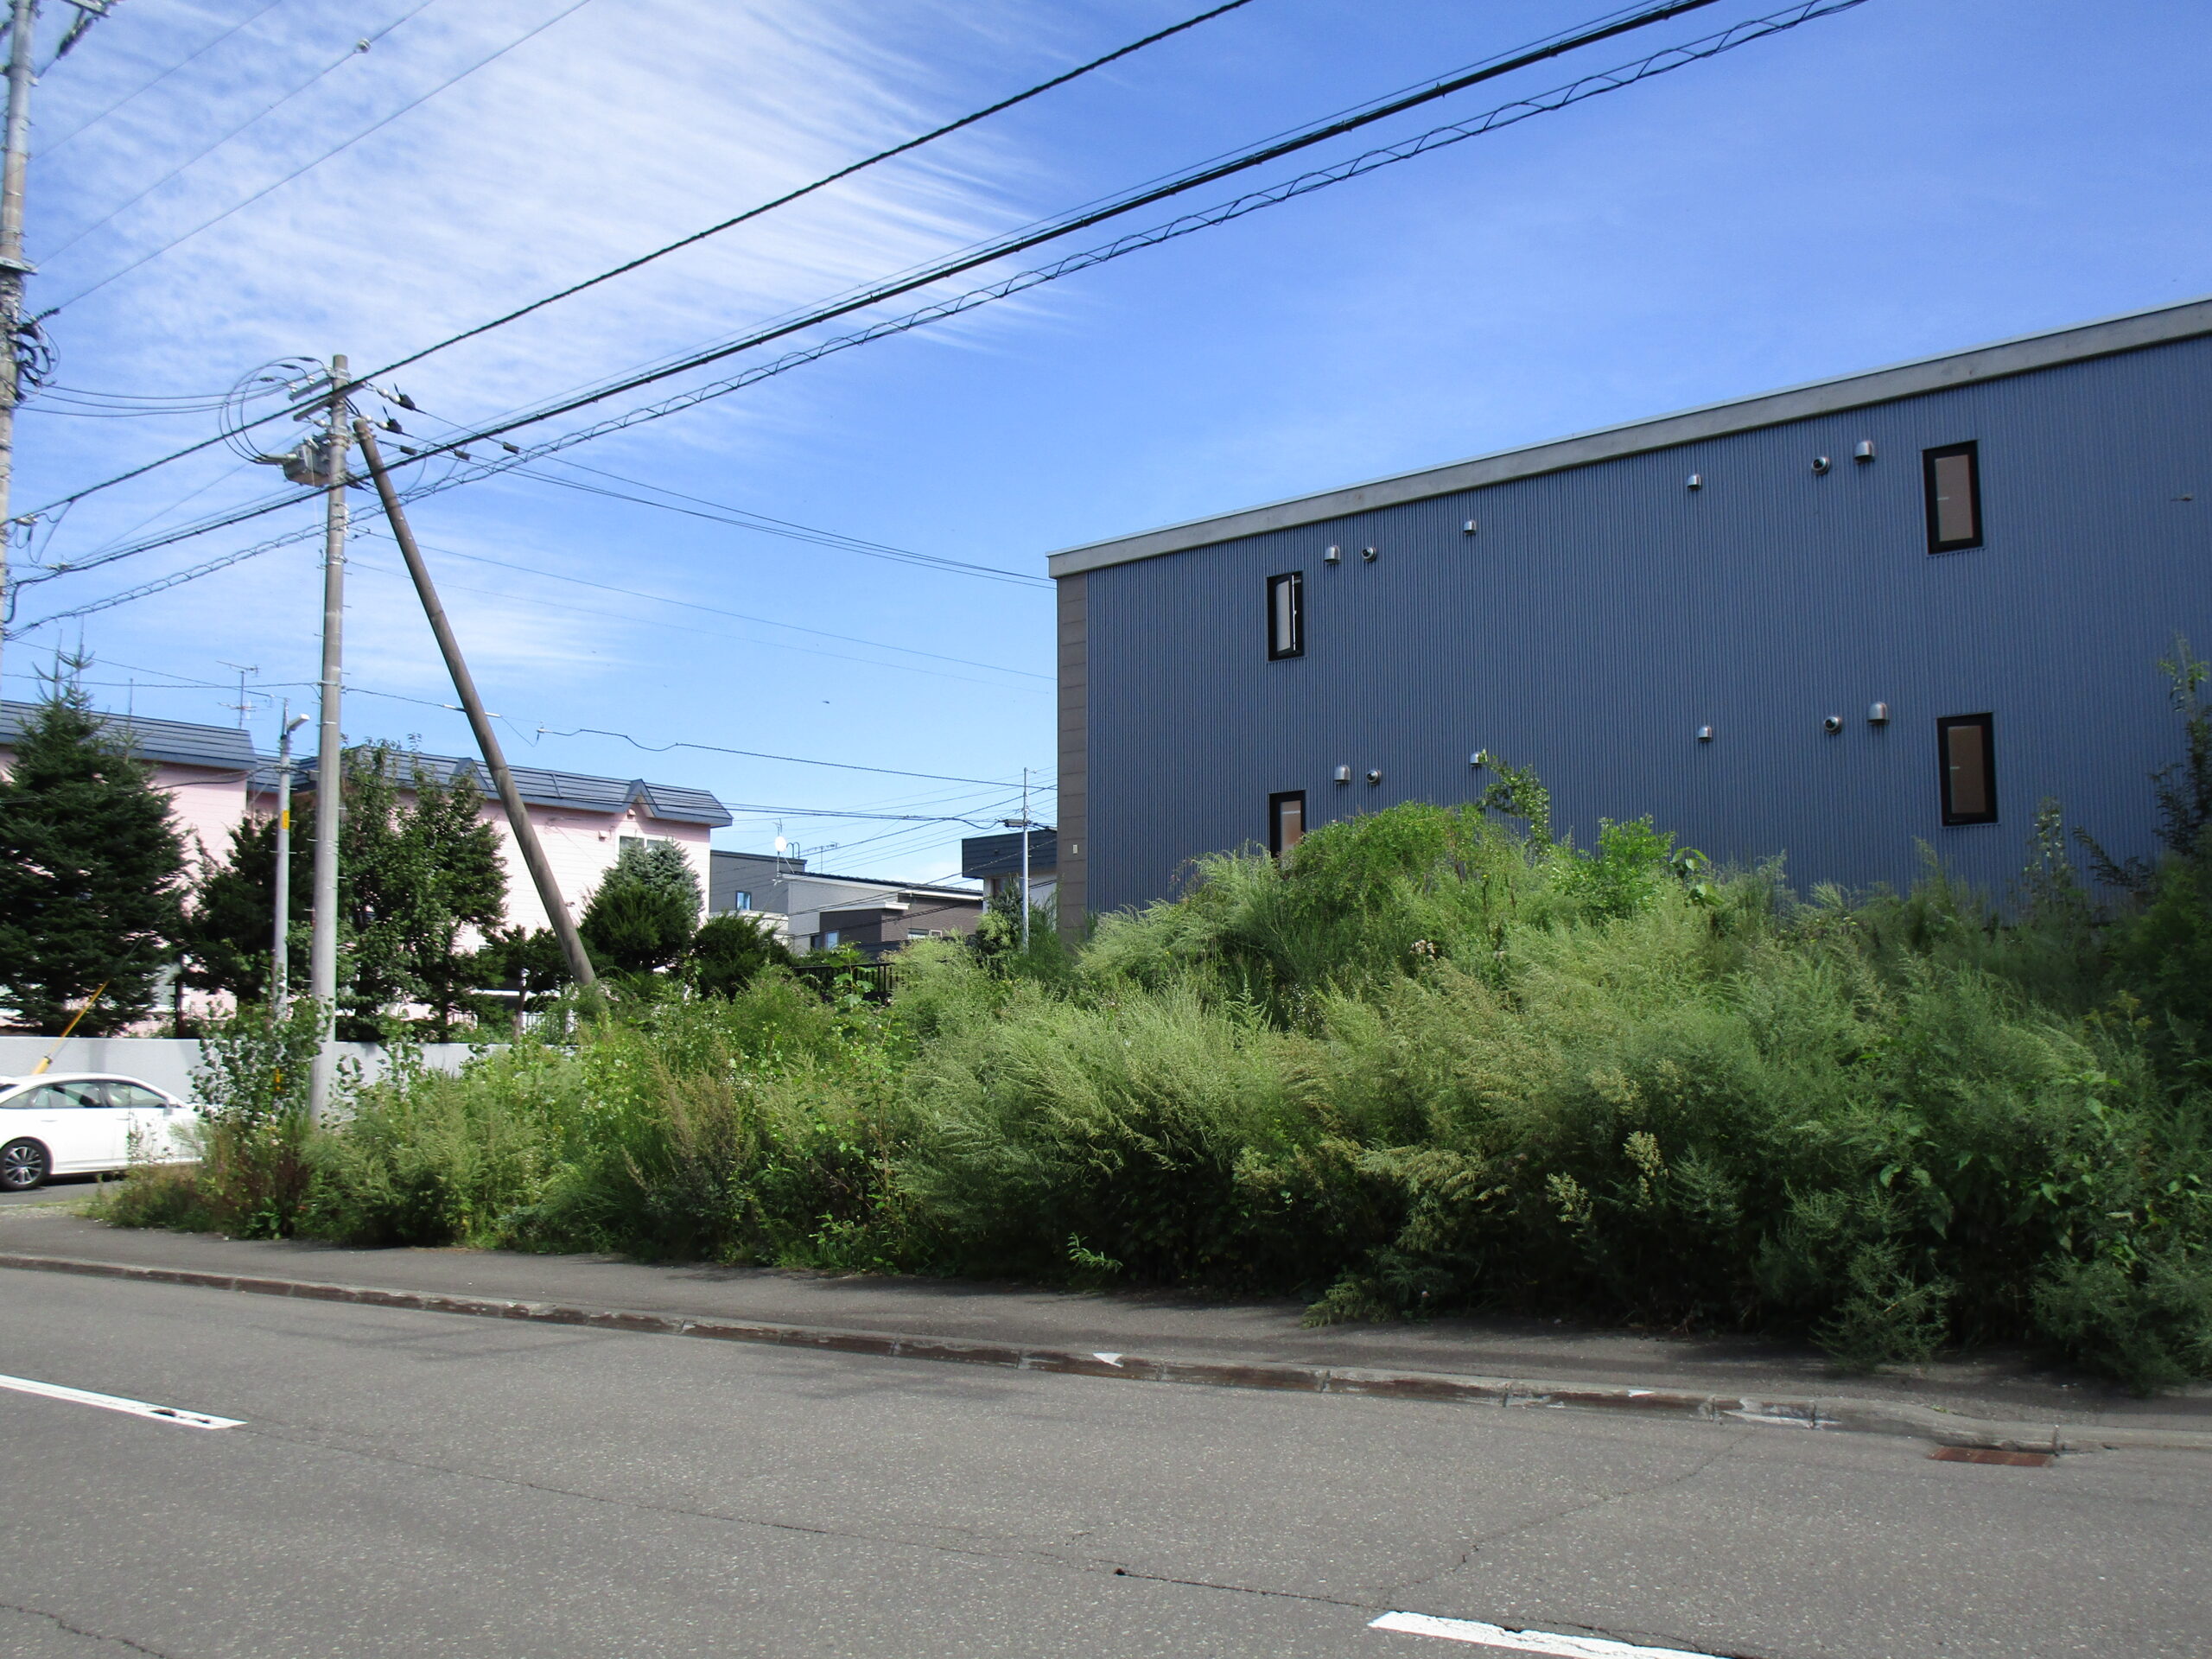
982, 855
176, 741
890, 886
540, 787
2134, 331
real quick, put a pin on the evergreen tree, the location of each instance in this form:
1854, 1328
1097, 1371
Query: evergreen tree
729, 953
227, 933
642, 916
91, 872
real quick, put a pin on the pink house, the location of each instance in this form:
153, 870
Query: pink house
213, 779
581, 822
202, 769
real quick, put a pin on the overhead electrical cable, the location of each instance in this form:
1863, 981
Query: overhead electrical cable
214, 144
845, 172
716, 610
601, 615
308, 166
1657, 63
185, 61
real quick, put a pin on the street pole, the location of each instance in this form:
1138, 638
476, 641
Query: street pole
13, 266
1025, 861
330, 758
487, 741
280, 955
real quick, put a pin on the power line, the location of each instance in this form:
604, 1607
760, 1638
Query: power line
1390, 105
374, 127
1003, 247
1589, 87
823, 183
209, 149
712, 633
146, 86
716, 610
187, 683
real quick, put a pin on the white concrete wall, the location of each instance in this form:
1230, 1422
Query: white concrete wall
167, 1062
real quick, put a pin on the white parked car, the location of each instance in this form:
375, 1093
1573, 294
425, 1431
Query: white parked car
81, 1122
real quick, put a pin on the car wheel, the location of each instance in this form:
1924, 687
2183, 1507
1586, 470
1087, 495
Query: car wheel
23, 1164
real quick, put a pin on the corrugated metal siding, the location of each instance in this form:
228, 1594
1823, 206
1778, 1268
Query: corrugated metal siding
1073, 622
1600, 616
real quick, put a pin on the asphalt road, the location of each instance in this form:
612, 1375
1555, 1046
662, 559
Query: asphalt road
414, 1483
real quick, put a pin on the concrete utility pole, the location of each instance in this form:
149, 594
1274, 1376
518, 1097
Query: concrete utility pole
280, 955
1025, 861
13, 266
488, 742
330, 757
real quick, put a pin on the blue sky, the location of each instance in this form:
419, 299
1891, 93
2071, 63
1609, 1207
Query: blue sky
1913, 176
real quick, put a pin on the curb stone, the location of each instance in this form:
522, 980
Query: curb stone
1843, 1416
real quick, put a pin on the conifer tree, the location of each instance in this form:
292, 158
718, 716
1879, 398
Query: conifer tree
91, 868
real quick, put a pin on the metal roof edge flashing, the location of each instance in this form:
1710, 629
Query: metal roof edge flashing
2022, 354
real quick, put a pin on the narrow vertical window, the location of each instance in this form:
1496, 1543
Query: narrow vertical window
1967, 746
1286, 821
1286, 615
1952, 476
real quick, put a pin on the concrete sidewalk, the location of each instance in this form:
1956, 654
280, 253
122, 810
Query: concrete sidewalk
1181, 1337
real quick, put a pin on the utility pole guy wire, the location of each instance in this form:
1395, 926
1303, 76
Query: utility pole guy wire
487, 741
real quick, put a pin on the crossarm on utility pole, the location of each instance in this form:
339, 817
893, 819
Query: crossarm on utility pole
541, 873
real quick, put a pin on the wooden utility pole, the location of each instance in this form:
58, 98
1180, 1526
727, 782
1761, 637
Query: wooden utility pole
487, 743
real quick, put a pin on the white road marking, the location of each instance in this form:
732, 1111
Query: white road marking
1111, 1359
1544, 1642
117, 1403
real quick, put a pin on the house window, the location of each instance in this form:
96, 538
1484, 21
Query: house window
1953, 476
741, 900
829, 940
1286, 615
1286, 821
1968, 749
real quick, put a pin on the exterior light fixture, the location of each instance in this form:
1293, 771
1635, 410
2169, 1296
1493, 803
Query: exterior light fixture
1369, 553
1822, 463
1833, 724
1376, 776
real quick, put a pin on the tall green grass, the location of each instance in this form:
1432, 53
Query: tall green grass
1434, 1059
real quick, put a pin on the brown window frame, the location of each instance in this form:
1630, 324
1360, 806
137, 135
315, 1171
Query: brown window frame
1275, 804
1972, 451
1944, 730
1295, 580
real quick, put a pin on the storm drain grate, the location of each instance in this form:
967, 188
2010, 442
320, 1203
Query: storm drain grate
1990, 1454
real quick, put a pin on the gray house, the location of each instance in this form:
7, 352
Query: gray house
826, 910
1831, 623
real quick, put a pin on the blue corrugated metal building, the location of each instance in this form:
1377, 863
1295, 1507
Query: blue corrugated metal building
1830, 623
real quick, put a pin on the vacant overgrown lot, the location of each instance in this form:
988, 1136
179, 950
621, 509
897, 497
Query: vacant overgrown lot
1432, 1060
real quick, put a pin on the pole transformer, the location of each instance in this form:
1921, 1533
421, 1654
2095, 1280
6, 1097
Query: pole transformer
487, 741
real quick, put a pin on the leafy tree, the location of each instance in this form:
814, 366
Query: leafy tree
91, 872
643, 915
729, 953
227, 936
525, 961
413, 877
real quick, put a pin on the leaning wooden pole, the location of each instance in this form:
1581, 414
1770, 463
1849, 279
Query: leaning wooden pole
541, 873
